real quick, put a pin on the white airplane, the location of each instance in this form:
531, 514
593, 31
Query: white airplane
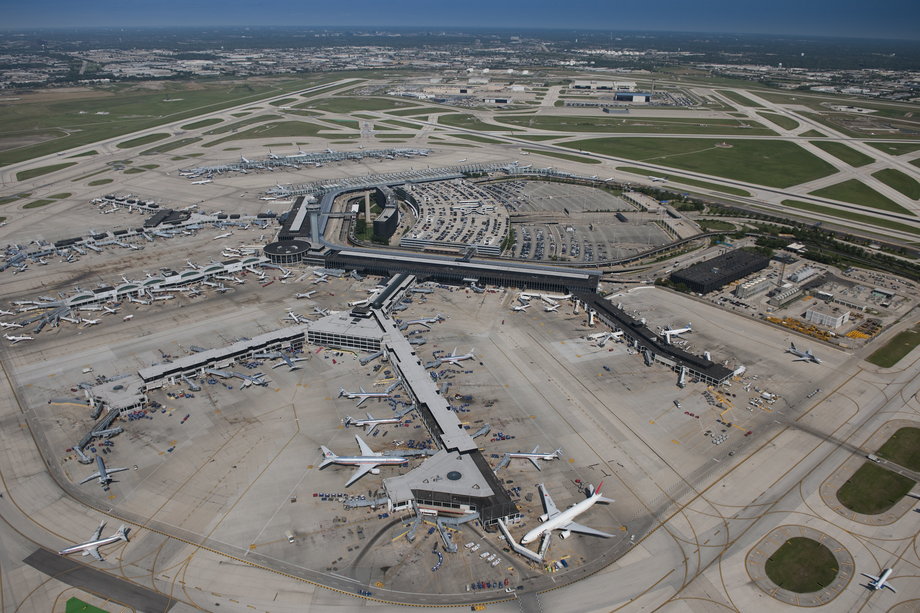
554, 519
6, 325
321, 279
202, 182
535, 455
224, 235
109, 311
453, 358
522, 307
362, 395
657, 179
551, 308
127, 317
2, 312
670, 332
102, 473
881, 581
89, 322
367, 462
371, 423
285, 359
305, 295
297, 319
91, 547
243, 160
802, 356
17, 339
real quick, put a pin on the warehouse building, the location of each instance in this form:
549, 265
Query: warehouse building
713, 274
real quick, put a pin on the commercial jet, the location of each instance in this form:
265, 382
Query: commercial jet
657, 179
102, 473
453, 358
535, 455
202, 182
17, 339
367, 462
6, 325
551, 308
554, 519
91, 547
371, 423
280, 355
881, 581
2, 312
363, 395
802, 356
669, 332
305, 295
522, 307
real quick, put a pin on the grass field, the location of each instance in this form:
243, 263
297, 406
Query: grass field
38, 203
564, 156
852, 216
812, 134
75, 605
283, 101
895, 349
230, 127
462, 120
272, 130
740, 99
176, 144
351, 124
24, 175
658, 125
715, 225
84, 154
844, 153
896, 179
99, 182
74, 114
401, 124
903, 448
349, 104
774, 163
787, 123
873, 489
204, 123
478, 139
857, 192
142, 140
802, 565
14, 198
694, 182
540, 137
896, 148
423, 110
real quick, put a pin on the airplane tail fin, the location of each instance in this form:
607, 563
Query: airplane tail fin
558, 452
341, 392
597, 490
328, 456
123, 533
347, 421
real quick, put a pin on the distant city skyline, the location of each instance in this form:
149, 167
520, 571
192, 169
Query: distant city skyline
894, 19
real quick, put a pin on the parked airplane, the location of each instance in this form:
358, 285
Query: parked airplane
362, 395
305, 295
554, 519
102, 473
17, 339
297, 319
2, 312
321, 279
371, 423
280, 355
534, 455
6, 325
89, 322
109, 311
657, 179
367, 462
224, 235
551, 308
522, 307
802, 356
453, 358
320, 311
91, 547
880, 582
669, 332
127, 317
202, 182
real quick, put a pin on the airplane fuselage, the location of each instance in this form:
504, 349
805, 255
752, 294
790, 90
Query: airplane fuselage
561, 520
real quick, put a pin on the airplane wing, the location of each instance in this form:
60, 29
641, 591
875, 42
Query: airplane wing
890, 588
369, 428
114, 470
365, 450
362, 470
548, 505
874, 578
801, 359
360, 402
90, 478
98, 532
576, 527
93, 551
535, 463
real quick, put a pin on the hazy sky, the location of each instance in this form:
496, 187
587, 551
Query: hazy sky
857, 18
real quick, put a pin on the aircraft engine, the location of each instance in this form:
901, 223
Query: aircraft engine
565, 534
375, 471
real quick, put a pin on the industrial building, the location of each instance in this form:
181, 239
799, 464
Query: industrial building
824, 318
752, 287
715, 273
